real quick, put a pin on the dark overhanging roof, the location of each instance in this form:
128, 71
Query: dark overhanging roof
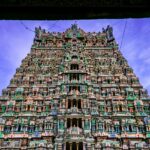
73, 9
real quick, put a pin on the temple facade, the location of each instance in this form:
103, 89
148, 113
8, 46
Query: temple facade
74, 91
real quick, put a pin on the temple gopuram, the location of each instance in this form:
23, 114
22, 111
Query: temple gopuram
74, 91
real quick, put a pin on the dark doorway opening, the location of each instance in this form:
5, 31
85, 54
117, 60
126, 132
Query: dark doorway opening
79, 104
74, 146
74, 122
80, 123
69, 103
130, 128
74, 103
67, 146
80, 146
68, 123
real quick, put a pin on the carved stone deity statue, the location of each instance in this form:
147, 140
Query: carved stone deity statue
38, 33
109, 32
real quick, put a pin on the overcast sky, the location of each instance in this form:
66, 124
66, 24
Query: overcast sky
16, 38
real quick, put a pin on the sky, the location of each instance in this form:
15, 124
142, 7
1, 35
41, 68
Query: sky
132, 35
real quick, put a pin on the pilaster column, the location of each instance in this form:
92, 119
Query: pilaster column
77, 145
70, 146
84, 146
90, 124
137, 130
81, 104
65, 146
96, 125
66, 101
65, 123
58, 125
82, 123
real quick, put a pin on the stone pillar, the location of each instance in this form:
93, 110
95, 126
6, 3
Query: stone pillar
84, 146
82, 123
90, 124
58, 125
92, 147
77, 123
137, 130
70, 146
81, 104
65, 123
96, 125
64, 146
66, 103
77, 145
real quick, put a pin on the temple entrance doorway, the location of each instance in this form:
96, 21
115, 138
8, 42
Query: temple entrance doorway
74, 146
81, 146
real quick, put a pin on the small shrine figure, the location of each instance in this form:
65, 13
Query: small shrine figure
74, 109
74, 129
109, 32
38, 32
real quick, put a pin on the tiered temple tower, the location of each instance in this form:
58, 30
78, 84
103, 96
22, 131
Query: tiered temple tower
74, 91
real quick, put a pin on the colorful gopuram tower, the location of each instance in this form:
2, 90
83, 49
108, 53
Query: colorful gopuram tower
74, 91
